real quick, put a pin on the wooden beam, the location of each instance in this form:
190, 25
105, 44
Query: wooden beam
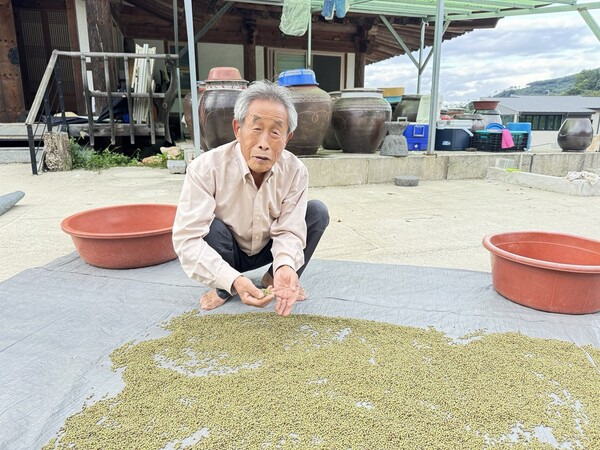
74, 39
158, 8
12, 103
359, 69
99, 22
250, 50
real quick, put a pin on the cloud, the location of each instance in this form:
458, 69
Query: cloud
518, 51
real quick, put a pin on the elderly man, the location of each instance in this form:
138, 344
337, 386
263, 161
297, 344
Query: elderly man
244, 205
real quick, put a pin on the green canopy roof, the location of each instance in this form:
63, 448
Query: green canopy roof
453, 9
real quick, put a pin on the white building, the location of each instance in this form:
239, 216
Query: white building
547, 113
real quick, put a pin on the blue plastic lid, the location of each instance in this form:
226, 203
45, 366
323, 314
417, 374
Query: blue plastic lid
494, 126
296, 77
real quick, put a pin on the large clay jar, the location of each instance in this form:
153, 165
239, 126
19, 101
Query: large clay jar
216, 106
329, 140
476, 120
359, 118
575, 134
314, 110
408, 107
187, 108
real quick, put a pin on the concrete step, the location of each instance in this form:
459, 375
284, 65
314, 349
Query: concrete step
13, 132
11, 155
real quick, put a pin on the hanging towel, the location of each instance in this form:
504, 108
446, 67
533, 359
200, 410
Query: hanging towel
295, 16
507, 140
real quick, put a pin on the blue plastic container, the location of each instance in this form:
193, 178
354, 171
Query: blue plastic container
416, 143
417, 130
395, 99
297, 77
521, 126
494, 126
416, 136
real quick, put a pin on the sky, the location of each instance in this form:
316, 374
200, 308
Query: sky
481, 63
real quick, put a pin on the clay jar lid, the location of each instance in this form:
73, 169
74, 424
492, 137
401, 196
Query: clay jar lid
485, 104
362, 93
224, 73
297, 77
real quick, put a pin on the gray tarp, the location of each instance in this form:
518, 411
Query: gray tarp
59, 324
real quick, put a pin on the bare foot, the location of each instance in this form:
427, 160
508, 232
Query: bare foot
267, 280
211, 300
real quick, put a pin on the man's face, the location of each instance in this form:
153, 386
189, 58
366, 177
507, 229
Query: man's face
263, 135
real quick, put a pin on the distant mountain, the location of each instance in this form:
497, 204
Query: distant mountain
555, 86
585, 83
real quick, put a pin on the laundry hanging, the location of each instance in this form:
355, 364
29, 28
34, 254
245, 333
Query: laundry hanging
339, 7
295, 15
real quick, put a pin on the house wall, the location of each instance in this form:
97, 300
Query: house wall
215, 55
596, 122
350, 66
542, 140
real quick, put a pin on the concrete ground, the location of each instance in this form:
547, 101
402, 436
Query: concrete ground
438, 223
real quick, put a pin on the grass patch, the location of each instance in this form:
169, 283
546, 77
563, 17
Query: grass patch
85, 157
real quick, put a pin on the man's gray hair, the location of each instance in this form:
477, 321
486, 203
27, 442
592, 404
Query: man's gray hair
265, 90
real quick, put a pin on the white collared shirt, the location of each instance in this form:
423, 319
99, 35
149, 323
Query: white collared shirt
219, 184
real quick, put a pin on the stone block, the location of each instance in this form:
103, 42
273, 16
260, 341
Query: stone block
394, 145
406, 180
57, 152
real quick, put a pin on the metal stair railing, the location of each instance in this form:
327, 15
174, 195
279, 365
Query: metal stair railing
49, 99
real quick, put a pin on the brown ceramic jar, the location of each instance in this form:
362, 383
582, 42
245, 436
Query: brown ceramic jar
216, 111
575, 134
408, 107
187, 108
314, 110
329, 140
359, 118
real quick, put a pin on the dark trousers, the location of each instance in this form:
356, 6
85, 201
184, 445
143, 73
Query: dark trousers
220, 238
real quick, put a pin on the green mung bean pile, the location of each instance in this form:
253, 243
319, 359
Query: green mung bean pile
258, 380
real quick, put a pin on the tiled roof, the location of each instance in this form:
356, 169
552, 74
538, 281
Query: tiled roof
548, 104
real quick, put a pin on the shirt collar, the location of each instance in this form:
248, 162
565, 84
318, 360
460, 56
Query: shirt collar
245, 170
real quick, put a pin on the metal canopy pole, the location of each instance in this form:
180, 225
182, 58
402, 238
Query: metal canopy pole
309, 47
399, 39
435, 75
177, 72
421, 47
590, 22
191, 44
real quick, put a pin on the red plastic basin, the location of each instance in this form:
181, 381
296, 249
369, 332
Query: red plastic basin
124, 236
547, 271
481, 105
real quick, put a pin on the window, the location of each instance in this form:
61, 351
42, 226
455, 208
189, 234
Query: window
542, 122
329, 68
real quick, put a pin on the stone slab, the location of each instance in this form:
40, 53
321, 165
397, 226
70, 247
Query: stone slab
580, 188
406, 180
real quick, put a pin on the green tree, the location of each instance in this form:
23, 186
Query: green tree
587, 83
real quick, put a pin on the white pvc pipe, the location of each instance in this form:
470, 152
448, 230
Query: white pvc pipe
435, 75
189, 22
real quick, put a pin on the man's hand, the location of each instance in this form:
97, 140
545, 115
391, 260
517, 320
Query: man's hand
286, 289
250, 294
